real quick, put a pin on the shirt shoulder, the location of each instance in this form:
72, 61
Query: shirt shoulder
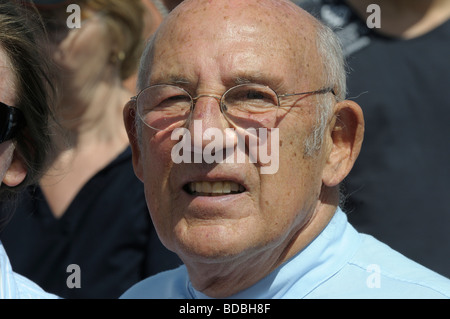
27, 289
378, 271
15, 286
170, 284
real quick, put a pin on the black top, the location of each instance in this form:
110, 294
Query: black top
398, 189
106, 231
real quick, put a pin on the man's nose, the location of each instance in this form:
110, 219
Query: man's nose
208, 125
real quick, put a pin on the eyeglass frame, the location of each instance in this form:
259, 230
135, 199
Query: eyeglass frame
220, 99
14, 120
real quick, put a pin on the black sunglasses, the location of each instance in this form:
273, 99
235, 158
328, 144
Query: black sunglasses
11, 121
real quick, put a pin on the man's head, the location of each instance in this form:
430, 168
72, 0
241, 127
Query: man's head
206, 48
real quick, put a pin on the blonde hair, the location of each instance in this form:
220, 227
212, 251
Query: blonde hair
125, 23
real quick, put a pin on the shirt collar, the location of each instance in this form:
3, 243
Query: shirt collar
8, 288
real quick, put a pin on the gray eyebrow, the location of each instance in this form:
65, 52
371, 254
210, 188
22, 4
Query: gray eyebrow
258, 78
242, 78
179, 80
170, 79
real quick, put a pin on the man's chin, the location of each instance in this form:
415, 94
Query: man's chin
212, 244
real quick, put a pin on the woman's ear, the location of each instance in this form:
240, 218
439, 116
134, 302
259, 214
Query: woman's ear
16, 172
346, 132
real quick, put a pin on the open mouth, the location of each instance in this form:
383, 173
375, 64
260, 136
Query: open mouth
218, 188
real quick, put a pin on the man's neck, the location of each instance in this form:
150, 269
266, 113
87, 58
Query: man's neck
406, 19
224, 279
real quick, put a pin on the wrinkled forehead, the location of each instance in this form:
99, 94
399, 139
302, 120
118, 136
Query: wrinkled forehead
277, 24
275, 18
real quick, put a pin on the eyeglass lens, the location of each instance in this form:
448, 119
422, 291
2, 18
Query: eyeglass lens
249, 105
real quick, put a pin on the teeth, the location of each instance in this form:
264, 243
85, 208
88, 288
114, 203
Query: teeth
226, 187
215, 188
206, 187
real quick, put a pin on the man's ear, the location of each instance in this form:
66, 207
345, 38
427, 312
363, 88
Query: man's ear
129, 117
16, 172
346, 132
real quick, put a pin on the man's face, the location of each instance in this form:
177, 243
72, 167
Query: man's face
207, 52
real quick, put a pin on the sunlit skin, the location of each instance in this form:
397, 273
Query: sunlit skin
230, 242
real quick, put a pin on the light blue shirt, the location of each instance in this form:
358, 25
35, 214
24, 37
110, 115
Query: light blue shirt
339, 263
15, 286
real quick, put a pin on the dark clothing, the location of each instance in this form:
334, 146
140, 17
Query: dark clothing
106, 231
399, 187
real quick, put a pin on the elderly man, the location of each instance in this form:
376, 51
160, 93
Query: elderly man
222, 79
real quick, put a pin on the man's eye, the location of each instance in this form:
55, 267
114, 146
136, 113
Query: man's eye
255, 95
175, 101
178, 98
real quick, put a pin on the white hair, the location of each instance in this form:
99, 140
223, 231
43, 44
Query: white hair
143, 75
334, 76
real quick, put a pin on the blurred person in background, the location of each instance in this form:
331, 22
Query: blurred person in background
26, 117
74, 233
400, 75
154, 13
